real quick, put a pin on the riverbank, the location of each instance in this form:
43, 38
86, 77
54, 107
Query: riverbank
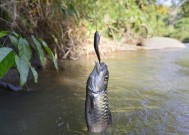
109, 46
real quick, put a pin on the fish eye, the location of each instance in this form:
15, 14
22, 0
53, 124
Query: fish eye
106, 78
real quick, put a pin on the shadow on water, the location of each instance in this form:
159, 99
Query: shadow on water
148, 94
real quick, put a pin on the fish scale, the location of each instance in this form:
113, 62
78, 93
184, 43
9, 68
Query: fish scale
101, 114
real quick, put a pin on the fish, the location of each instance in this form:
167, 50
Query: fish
96, 44
97, 112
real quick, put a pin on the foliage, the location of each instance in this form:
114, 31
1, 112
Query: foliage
6, 60
185, 8
182, 24
181, 30
66, 24
20, 59
178, 21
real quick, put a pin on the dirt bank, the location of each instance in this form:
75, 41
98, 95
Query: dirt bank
160, 43
109, 46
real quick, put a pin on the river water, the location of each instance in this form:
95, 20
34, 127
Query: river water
148, 94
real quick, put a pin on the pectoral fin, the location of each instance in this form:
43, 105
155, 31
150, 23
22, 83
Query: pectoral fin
92, 102
110, 118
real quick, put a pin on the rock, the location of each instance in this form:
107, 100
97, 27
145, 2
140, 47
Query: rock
10, 87
160, 43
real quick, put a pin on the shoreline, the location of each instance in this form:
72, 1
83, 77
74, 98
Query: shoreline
106, 46
109, 46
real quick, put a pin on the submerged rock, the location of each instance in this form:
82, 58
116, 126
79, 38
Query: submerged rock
10, 87
160, 43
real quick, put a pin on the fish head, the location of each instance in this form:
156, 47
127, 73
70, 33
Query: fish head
98, 79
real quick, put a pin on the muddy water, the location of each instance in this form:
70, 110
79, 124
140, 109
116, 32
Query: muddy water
148, 94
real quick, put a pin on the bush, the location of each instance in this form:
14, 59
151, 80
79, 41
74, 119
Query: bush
20, 54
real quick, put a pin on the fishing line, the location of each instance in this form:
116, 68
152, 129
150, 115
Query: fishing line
96, 35
96, 19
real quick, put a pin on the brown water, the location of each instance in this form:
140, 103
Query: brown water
148, 94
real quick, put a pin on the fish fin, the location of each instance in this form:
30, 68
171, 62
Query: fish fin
92, 102
110, 119
89, 129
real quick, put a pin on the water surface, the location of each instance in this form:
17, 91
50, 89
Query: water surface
148, 94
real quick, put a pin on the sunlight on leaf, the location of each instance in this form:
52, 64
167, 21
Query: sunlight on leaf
14, 40
39, 50
6, 60
50, 53
34, 72
23, 68
3, 33
24, 49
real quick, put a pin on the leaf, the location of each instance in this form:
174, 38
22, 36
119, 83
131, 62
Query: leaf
3, 33
16, 34
14, 40
24, 49
6, 60
23, 68
50, 53
39, 50
35, 74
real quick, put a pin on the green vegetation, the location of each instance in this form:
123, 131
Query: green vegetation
19, 56
178, 21
181, 30
66, 25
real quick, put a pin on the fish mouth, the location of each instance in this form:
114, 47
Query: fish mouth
101, 67
98, 78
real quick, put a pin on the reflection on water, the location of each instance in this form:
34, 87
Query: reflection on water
148, 94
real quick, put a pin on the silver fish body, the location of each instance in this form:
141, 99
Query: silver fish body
98, 115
